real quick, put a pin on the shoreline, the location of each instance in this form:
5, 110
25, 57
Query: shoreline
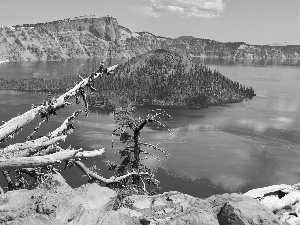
158, 103
213, 57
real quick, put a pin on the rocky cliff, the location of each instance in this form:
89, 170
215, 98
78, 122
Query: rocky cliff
92, 36
54, 202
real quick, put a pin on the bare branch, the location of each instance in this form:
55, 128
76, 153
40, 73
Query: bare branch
62, 129
154, 147
148, 153
95, 176
13, 126
8, 180
37, 161
31, 147
35, 129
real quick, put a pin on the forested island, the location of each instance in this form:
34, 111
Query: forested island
159, 77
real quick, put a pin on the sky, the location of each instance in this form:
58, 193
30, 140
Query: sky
250, 21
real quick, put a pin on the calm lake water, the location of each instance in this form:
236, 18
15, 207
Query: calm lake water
229, 148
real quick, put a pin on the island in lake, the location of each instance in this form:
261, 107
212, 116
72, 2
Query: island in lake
160, 77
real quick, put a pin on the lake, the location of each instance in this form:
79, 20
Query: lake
228, 148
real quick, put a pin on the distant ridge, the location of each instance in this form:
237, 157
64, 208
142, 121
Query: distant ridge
185, 38
98, 36
277, 45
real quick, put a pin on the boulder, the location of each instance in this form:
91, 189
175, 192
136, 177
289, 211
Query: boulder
283, 200
240, 209
54, 202
278, 190
172, 208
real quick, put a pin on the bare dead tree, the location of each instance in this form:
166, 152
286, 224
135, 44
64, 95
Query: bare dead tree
35, 155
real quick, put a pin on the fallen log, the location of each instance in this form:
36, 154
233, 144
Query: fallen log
38, 161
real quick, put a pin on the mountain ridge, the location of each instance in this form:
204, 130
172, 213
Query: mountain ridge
96, 36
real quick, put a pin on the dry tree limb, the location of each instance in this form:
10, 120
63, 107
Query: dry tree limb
13, 126
49, 150
95, 176
155, 147
37, 161
15, 156
31, 147
65, 126
8, 180
35, 129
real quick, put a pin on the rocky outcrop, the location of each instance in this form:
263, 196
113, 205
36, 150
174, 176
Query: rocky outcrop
240, 209
93, 36
54, 202
283, 200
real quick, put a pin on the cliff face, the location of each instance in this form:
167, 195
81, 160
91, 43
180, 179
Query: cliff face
105, 28
92, 36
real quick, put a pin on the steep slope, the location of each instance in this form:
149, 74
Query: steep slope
93, 36
170, 77
58, 40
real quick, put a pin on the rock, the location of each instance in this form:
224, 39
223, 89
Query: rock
117, 218
140, 201
54, 202
283, 200
130, 212
279, 190
95, 196
269, 200
158, 202
16, 204
240, 209
57, 205
243, 213
173, 208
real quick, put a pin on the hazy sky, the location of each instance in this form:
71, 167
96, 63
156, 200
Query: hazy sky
251, 21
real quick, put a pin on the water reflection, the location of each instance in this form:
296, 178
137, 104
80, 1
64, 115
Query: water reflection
248, 62
48, 69
230, 148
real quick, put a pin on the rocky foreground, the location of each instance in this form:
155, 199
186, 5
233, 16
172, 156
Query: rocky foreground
55, 202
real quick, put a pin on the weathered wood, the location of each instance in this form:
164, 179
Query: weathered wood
44, 150
95, 176
31, 147
13, 126
37, 161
